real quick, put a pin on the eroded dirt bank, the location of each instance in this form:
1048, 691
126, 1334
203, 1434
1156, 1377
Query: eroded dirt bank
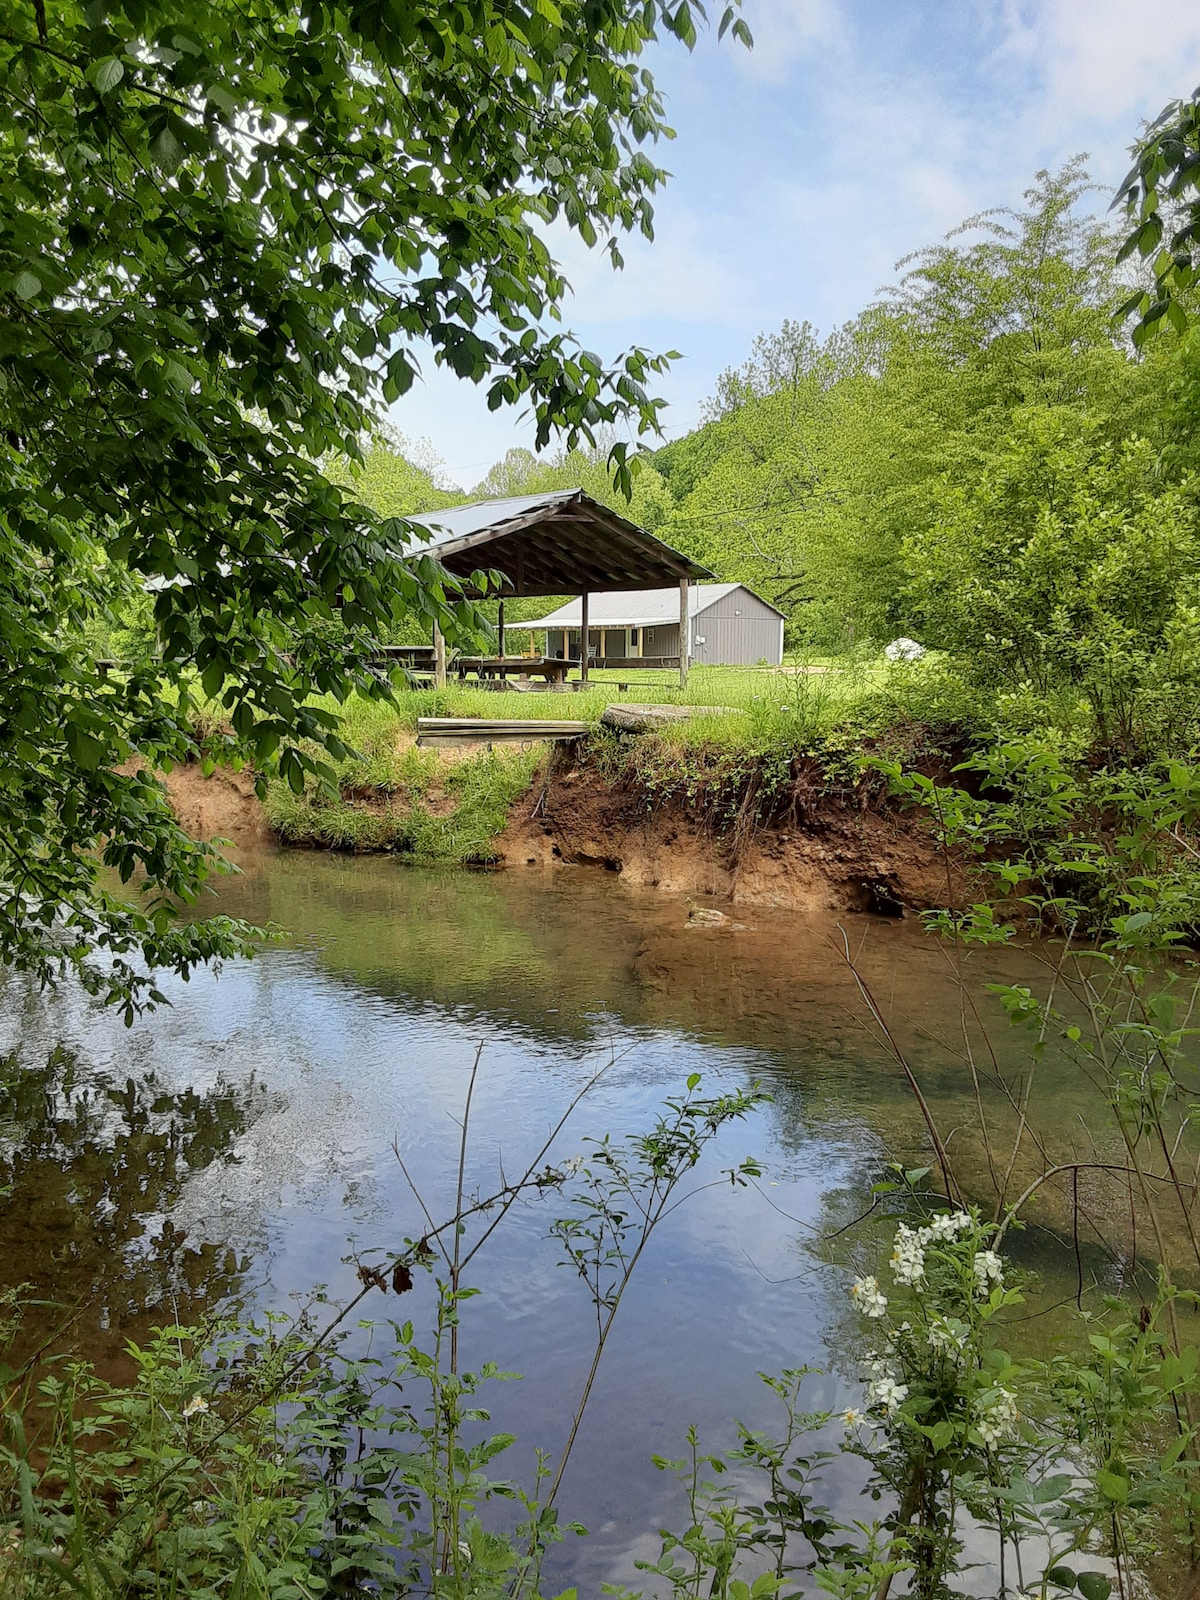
835, 847
223, 806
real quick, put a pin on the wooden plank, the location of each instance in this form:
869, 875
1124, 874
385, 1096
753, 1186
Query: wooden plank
497, 530
651, 663
486, 725
685, 633
548, 667
572, 569
448, 732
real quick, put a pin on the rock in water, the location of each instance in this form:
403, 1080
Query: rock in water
706, 917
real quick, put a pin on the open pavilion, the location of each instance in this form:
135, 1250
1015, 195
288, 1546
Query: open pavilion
559, 543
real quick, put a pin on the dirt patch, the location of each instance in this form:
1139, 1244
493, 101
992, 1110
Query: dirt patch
223, 806
843, 855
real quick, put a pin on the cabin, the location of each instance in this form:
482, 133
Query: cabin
728, 624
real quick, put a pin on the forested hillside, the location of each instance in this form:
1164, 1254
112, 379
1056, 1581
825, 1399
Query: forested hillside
980, 460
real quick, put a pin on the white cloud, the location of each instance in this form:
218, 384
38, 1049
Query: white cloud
851, 135
785, 31
1104, 61
677, 275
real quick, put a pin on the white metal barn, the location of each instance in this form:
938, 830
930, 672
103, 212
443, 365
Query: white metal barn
729, 625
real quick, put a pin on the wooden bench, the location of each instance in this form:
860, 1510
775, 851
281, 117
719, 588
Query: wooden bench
445, 731
418, 656
633, 663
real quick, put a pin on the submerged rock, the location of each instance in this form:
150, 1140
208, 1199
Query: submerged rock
706, 917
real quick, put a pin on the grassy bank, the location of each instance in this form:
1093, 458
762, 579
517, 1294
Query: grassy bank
747, 723
1051, 823
407, 800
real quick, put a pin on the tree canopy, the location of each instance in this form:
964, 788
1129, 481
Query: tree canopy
849, 478
1161, 199
227, 231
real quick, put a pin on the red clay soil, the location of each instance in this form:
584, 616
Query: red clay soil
844, 855
223, 806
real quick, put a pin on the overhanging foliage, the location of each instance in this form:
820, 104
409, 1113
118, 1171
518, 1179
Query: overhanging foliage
227, 226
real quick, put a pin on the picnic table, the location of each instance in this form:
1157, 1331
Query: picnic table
408, 655
498, 669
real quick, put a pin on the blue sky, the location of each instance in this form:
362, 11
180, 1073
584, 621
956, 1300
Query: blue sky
854, 132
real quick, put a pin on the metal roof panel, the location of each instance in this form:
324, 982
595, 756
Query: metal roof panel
634, 608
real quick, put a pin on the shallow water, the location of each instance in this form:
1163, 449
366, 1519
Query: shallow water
240, 1143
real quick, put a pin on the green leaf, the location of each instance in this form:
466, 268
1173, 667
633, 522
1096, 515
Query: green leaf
1113, 1486
166, 148
941, 1434
105, 74
1061, 1576
1094, 1586
84, 750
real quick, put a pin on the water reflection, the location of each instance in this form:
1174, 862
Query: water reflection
241, 1141
92, 1171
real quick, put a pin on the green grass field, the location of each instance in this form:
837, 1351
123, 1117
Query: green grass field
813, 691
393, 796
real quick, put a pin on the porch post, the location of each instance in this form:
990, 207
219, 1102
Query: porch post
583, 637
500, 630
685, 633
439, 658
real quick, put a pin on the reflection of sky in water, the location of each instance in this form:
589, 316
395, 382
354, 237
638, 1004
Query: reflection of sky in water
363, 1029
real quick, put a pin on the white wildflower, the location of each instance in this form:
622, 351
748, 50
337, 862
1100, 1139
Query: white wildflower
853, 1419
571, 1164
947, 1225
887, 1394
908, 1258
988, 1269
895, 1336
195, 1406
998, 1421
868, 1298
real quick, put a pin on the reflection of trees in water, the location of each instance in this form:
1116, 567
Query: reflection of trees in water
91, 1170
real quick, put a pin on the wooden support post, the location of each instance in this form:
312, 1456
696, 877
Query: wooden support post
685, 633
583, 637
439, 658
500, 630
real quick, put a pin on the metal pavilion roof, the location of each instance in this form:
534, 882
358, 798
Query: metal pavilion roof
635, 608
560, 542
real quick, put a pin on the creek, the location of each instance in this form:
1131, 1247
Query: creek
239, 1146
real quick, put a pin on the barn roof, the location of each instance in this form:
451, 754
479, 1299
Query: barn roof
553, 543
634, 608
